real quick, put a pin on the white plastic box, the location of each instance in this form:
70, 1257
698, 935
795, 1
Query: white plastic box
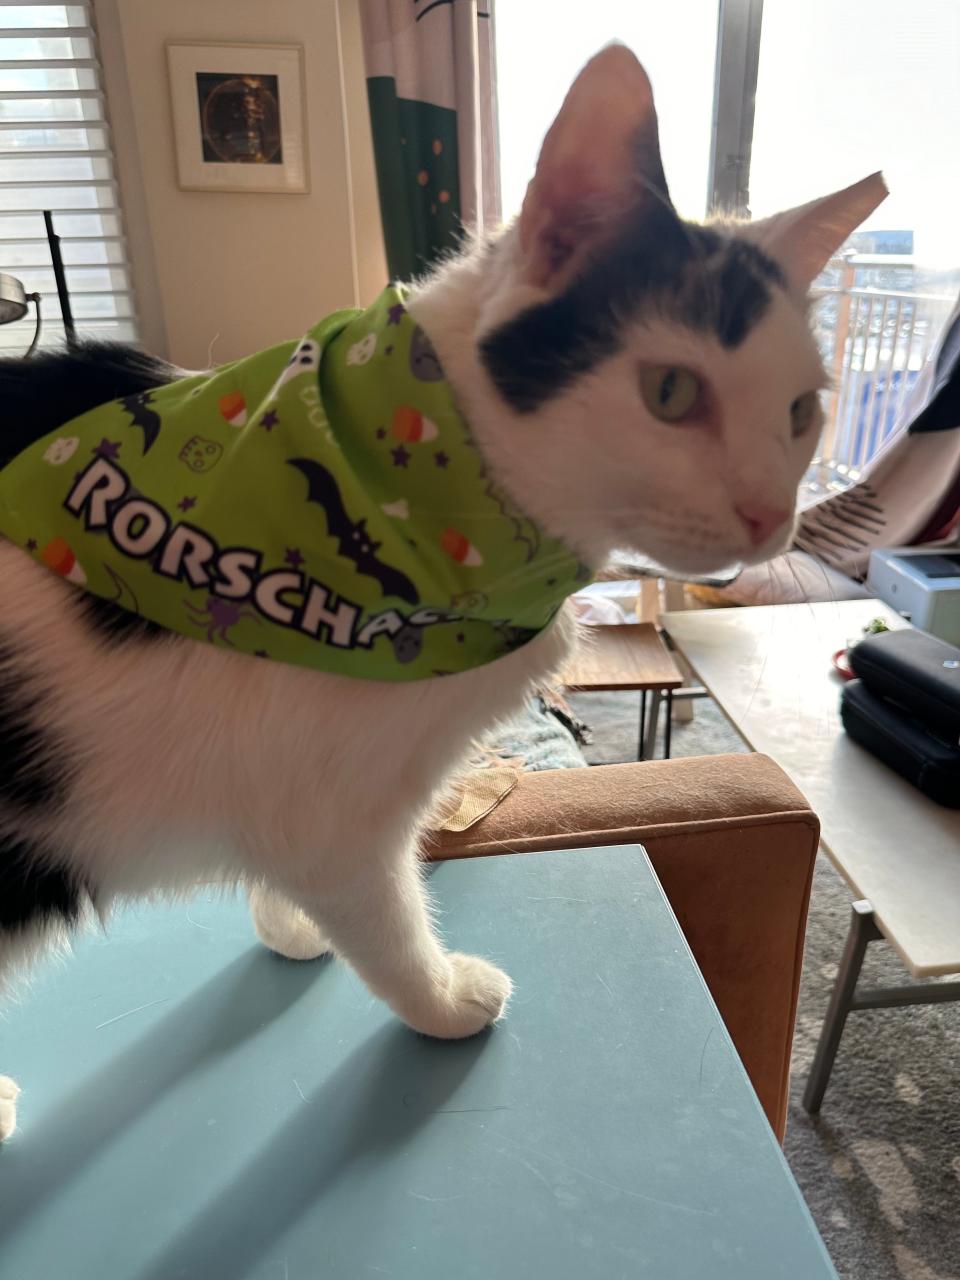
922, 584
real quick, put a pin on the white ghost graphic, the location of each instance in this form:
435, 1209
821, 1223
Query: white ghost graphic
61, 450
305, 359
363, 350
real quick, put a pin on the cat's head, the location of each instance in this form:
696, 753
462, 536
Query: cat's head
656, 381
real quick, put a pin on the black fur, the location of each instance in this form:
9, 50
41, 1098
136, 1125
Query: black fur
41, 394
692, 275
113, 623
737, 292
30, 775
35, 889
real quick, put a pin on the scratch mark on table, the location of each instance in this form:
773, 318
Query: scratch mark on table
197, 923
592, 1177
557, 897
606, 986
703, 1054
129, 1013
296, 1085
417, 1195
462, 1111
512, 1155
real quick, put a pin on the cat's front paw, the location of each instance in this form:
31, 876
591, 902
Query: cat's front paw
8, 1107
476, 995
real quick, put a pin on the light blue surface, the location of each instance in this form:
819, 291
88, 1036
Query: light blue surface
195, 1107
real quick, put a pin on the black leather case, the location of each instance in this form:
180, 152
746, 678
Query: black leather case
928, 761
918, 672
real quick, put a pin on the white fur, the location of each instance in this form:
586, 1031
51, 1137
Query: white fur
189, 762
594, 466
192, 762
8, 1107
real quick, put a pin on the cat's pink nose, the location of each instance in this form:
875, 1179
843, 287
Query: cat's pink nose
762, 521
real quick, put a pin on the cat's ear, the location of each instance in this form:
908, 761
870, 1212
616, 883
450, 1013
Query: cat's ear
599, 162
803, 240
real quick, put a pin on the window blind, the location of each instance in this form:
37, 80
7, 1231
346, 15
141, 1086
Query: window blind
55, 153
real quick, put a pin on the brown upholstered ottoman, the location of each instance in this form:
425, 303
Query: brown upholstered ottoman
733, 843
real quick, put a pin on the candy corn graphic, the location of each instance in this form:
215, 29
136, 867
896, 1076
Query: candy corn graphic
56, 555
411, 427
233, 407
459, 547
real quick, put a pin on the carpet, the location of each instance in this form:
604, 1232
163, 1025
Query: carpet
880, 1166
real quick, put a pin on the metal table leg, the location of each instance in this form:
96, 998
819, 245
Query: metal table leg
863, 931
643, 724
668, 727
653, 722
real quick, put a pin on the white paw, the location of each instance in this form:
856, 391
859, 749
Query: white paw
476, 996
283, 927
8, 1107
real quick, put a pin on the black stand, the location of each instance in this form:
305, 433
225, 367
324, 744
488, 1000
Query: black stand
62, 293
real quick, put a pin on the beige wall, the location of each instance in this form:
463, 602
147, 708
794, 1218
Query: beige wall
220, 274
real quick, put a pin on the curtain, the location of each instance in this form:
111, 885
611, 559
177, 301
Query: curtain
431, 87
910, 492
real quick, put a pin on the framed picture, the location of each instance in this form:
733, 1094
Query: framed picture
238, 116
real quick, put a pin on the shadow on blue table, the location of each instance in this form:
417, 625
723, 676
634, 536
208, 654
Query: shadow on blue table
355, 1116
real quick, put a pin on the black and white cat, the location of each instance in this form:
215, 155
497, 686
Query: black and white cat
633, 380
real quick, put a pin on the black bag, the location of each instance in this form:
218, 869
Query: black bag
930, 762
918, 672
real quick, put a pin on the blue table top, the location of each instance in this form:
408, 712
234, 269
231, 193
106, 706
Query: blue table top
194, 1106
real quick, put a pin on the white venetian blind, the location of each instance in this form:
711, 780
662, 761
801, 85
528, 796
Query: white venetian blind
55, 154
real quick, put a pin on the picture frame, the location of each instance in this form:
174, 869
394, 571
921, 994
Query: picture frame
239, 117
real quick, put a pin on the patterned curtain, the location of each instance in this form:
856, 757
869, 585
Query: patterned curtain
432, 93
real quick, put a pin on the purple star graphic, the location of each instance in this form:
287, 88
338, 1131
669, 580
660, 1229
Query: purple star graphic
31, 544
396, 312
441, 459
270, 419
293, 557
381, 432
400, 456
186, 503
388, 351
551, 582
108, 449
460, 637
260, 653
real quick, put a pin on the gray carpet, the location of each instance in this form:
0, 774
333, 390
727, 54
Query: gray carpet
880, 1168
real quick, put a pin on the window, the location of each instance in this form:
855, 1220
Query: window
539, 53
55, 154
844, 90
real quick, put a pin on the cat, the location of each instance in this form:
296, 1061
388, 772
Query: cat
632, 380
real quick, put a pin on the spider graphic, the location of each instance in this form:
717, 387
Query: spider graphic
218, 616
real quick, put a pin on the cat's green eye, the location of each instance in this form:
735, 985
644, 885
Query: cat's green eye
669, 392
802, 413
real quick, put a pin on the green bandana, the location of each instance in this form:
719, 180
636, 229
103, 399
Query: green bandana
319, 503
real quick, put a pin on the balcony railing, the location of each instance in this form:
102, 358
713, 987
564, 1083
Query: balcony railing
876, 321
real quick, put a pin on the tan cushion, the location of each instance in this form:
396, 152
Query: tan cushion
733, 843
